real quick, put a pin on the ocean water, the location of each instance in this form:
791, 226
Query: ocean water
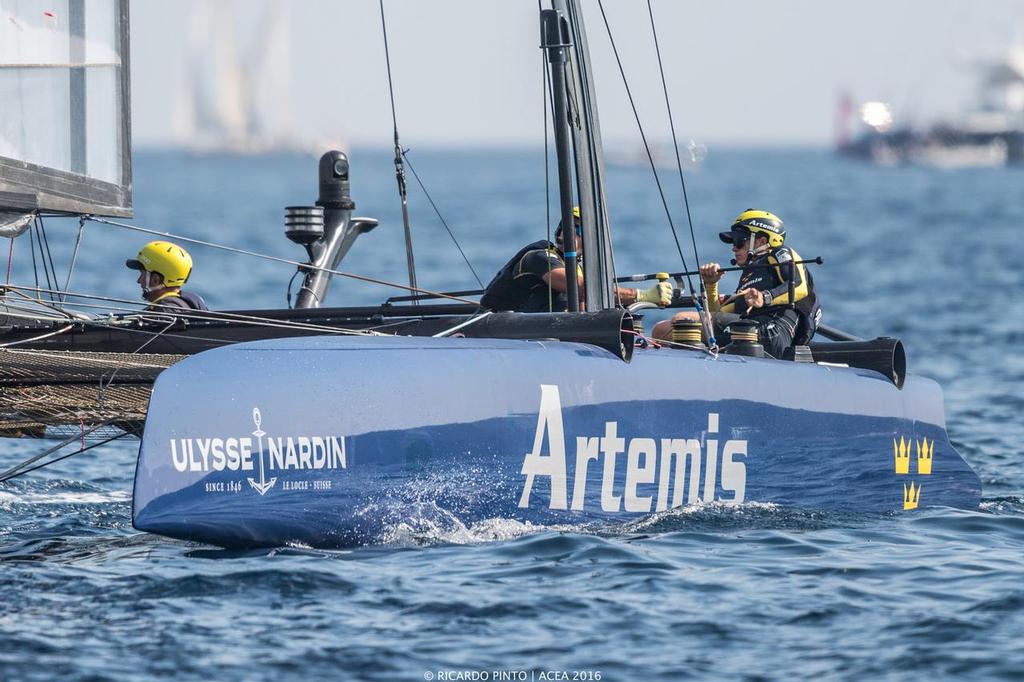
755, 592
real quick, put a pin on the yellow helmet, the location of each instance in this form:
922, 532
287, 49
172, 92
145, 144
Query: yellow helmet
757, 222
170, 260
577, 222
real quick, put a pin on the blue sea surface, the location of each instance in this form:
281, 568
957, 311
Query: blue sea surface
704, 592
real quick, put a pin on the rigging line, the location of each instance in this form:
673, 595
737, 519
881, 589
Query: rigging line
113, 375
462, 325
38, 338
672, 127
74, 255
27, 314
295, 263
386, 325
76, 437
546, 92
205, 316
10, 259
702, 303
288, 293
42, 254
643, 137
32, 246
35, 458
405, 154
49, 257
399, 167
130, 330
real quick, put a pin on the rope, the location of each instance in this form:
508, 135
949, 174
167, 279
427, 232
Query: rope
702, 305
44, 241
441, 218
32, 246
288, 293
20, 470
74, 255
546, 87
295, 263
672, 127
209, 316
10, 259
38, 338
113, 375
643, 137
462, 325
399, 167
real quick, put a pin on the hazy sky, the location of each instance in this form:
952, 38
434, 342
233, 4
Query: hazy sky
468, 72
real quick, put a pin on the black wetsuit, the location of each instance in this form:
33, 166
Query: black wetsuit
779, 325
520, 285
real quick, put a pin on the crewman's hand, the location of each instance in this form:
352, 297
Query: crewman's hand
660, 293
710, 273
752, 297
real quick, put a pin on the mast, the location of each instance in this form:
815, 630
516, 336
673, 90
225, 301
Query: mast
598, 263
555, 41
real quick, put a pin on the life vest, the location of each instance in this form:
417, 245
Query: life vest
511, 289
195, 301
804, 316
185, 300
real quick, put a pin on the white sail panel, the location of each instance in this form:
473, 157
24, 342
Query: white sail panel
64, 128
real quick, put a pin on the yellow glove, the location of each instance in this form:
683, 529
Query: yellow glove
660, 294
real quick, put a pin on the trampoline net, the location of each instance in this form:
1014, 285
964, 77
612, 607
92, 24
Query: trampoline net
60, 393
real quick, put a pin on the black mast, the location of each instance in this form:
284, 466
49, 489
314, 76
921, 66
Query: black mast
554, 35
598, 264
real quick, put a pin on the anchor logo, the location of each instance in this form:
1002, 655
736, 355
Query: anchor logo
263, 485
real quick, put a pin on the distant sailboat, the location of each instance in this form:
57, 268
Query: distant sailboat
989, 133
238, 103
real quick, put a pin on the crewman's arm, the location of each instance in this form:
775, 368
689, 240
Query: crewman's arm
710, 274
555, 278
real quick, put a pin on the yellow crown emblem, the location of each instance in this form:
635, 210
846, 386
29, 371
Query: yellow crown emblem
925, 450
911, 496
901, 451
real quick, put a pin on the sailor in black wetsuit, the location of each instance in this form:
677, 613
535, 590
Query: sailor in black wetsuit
163, 268
534, 279
757, 239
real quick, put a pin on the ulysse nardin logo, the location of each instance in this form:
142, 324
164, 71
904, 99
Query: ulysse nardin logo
264, 485
659, 473
275, 454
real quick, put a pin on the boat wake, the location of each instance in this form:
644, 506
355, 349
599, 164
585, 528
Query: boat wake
430, 524
11, 499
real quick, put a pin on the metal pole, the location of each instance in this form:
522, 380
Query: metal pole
555, 41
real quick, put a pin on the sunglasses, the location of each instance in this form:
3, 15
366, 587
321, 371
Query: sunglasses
739, 239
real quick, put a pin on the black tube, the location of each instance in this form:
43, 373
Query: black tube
654, 275
835, 334
884, 355
554, 41
610, 329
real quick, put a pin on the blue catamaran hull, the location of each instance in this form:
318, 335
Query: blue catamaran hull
329, 441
